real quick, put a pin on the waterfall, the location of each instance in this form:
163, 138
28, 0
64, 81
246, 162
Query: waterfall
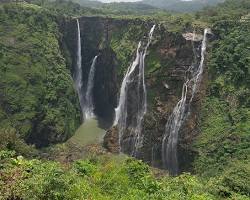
179, 114
138, 139
86, 100
200, 70
89, 106
121, 112
170, 139
78, 69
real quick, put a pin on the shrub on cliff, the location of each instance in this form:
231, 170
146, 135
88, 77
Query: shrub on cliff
36, 89
11, 141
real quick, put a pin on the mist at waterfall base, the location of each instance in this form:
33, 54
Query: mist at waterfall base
180, 113
134, 81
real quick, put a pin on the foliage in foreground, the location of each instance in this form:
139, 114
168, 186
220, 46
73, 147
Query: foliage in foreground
105, 177
94, 178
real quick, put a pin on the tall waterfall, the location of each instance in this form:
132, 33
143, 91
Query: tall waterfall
78, 69
170, 139
179, 114
89, 106
197, 77
85, 99
121, 112
142, 101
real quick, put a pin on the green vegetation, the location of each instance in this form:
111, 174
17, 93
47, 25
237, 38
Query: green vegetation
38, 104
231, 10
93, 178
36, 89
144, 6
66, 8
223, 145
93, 8
124, 43
182, 6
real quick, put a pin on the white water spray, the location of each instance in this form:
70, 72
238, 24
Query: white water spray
89, 105
78, 69
138, 138
121, 111
197, 77
169, 142
179, 115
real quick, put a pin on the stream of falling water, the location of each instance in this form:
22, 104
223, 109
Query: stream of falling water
89, 105
121, 111
138, 138
179, 114
78, 69
85, 99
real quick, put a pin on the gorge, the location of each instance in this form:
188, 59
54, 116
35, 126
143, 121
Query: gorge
128, 134
124, 102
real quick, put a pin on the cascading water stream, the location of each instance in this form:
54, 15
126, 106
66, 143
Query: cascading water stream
85, 99
179, 115
89, 106
138, 139
197, 77
169, 143
78, 69
122, 111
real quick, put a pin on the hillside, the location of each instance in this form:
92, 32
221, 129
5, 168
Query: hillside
182, 6
148, 6
108, 103
34, 75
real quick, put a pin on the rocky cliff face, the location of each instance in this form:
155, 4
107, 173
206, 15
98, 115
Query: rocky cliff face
95, 40
168, 59
176, 55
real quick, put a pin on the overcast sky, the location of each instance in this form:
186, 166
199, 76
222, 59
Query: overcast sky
108, 1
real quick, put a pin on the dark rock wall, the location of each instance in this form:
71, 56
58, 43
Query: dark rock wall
94, 41
106, 87
164, 87
169, 56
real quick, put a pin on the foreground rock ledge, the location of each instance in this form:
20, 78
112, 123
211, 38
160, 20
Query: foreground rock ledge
111, 140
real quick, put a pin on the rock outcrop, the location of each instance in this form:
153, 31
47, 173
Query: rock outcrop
111, 140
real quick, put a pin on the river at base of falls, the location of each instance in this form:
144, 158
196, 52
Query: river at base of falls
88, 133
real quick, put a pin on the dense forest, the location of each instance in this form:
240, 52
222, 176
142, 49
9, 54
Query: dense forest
41, 154
146, 5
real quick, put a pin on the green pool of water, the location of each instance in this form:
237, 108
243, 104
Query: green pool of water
88, 133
